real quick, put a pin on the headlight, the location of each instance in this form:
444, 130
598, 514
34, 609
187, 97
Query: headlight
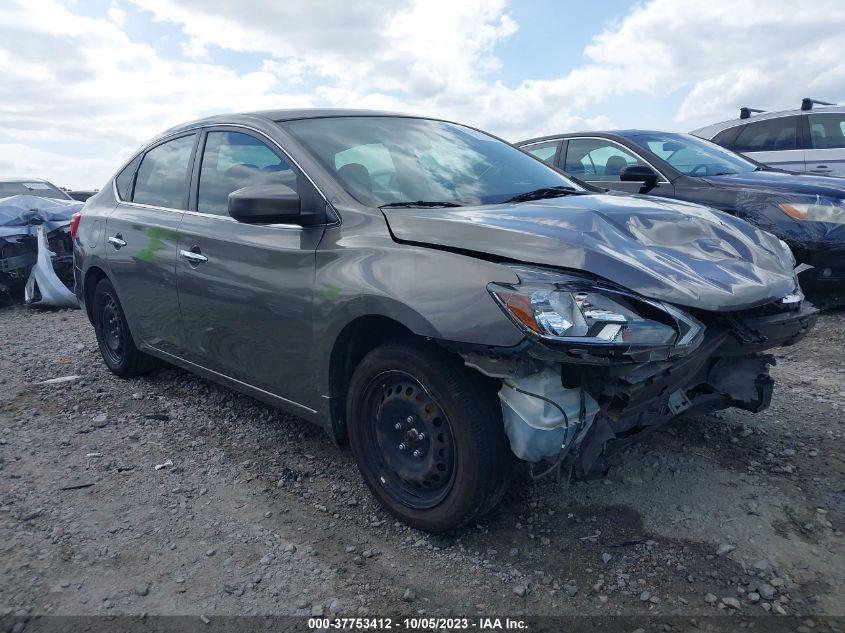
570, 310
830, 212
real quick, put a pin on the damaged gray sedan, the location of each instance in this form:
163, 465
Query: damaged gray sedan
441, 301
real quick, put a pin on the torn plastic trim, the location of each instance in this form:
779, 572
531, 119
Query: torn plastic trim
44, 281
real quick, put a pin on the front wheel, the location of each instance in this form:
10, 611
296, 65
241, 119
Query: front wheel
427, 435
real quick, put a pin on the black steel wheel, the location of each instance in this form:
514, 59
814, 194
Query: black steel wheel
427, 435
410, 436
114, 337
112, 327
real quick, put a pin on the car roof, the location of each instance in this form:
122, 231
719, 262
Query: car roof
609, 134
715, 128
269, 116
22, 179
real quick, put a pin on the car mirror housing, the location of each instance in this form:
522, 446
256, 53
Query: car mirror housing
265, 204
638, 173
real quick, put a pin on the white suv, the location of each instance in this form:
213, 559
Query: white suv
811, 139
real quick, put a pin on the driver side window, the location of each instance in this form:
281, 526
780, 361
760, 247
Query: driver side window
596, 159
232, 160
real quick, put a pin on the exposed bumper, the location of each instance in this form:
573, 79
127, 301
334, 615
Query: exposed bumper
571, 414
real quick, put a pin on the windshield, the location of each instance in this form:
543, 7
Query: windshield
693, 156
384, 160
33, 188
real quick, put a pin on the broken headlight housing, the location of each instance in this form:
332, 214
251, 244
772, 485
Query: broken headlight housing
822, 210
575, 312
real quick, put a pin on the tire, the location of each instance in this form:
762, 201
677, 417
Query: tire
427, 435
117, 347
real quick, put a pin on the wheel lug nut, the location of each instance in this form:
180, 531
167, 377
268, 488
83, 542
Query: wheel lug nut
410, 419
397, 426
421, 437
402, 447
417, 453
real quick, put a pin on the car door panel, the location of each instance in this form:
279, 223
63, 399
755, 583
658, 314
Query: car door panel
246, 301
141, 252
791, 159
140, 248
825, 154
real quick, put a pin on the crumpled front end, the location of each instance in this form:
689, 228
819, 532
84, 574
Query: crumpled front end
568, 400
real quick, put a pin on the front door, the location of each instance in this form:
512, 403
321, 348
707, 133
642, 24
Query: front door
141, 239
246, 291
600, 161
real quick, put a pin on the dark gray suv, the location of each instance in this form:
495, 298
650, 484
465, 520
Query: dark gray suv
439, 299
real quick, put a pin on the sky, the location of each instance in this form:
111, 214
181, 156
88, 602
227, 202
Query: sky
86, 82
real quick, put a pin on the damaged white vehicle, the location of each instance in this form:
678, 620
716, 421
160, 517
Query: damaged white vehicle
442, 301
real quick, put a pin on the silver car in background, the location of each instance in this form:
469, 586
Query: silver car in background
810, 139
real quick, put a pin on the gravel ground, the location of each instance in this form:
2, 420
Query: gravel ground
260, 513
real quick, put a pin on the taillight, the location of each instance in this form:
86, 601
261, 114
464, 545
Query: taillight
74, 224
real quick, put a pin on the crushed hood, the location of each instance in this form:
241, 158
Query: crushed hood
677, 252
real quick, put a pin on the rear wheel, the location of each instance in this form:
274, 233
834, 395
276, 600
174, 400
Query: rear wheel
427, 435
113, 336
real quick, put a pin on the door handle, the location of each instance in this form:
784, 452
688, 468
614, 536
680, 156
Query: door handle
117, 241
192, 257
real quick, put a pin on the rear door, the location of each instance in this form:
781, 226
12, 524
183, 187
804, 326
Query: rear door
141, 239
246, 291
776, 142
825, 153
599, 161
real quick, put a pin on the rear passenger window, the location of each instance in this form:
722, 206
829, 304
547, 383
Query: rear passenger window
827, 131
544, 151
163, 176
124, 180
771, 135
233, 160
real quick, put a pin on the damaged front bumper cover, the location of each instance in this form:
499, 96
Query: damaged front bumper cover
569, 406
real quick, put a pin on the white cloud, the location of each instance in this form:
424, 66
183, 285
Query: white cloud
116, 15
89, 88
725, 54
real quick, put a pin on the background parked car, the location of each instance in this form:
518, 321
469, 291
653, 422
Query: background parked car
806, 211
810, 139
82, 196
31, 187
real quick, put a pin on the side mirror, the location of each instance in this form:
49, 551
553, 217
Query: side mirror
638, 173
265, 204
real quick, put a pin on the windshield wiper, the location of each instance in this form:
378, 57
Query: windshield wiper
543, 193
420, 203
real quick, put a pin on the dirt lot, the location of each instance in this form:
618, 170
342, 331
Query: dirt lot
261, 514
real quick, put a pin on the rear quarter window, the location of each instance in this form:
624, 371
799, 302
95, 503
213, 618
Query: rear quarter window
124, 181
